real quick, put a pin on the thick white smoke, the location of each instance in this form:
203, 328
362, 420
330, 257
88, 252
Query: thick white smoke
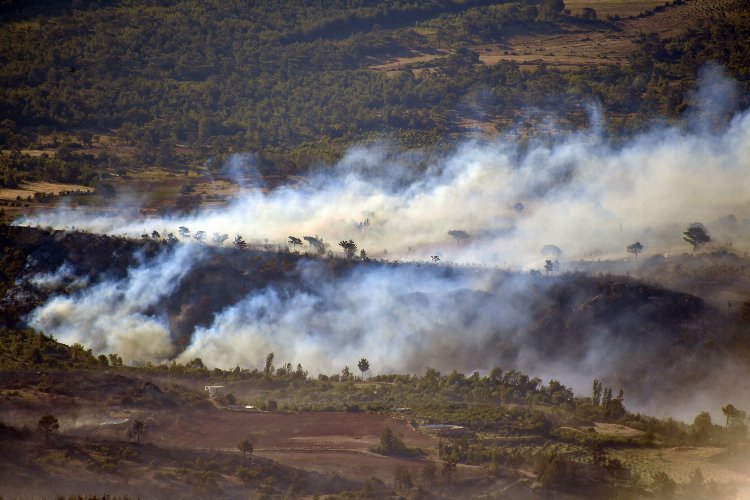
579, 192
116, 316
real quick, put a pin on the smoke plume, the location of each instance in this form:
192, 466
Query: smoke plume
578, 193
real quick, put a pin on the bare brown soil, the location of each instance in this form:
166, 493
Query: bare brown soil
419, 57
604, 8
282, 431
15, 201
321, 442
617, 430
325, 443
581, 44
599, 45
680, 462
29, 188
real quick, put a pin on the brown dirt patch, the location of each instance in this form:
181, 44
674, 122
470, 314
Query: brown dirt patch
680, 462
400, 63
579, 44
622, 8
323, 442
25, 189
599, 45
617, 430
315, 431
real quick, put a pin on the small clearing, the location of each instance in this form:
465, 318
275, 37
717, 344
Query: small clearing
578, 43
680, 462
599, 45
322, 442
26, 189
604, 8
617, 430
400, 63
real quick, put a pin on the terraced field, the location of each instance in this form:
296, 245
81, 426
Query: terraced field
580, 44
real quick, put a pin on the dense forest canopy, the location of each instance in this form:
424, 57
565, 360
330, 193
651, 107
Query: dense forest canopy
291, 80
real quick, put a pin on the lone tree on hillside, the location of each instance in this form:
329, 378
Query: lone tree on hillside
268, 370
696, 235
589, 14
449, 470
47, 425
402, 478
635, 248
390, 444
350, 248
200, 236
550, 10
294, 241
138, 429
596, 397
184, 232
219, 238
239, 242
315, 242
459, 235
549, 266
363, 366
735, 421
428, 472
245, 447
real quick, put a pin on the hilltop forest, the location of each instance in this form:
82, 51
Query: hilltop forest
180, 82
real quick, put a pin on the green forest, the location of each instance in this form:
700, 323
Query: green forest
290, 80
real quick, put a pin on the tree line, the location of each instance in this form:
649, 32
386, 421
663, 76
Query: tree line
272, 78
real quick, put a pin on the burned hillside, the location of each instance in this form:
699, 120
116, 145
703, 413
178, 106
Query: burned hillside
230, 306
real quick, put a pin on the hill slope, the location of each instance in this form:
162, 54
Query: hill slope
227, 305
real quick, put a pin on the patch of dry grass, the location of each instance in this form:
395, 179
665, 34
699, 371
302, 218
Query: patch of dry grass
29, 188
680, 462
622, 8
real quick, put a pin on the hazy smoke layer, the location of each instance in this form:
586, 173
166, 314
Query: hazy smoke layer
578, 192
117, 316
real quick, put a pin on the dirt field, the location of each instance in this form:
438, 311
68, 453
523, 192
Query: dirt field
599, 46
622, 8
400, 62
680, 462
29, 188
579, 44
321, 442
617, 430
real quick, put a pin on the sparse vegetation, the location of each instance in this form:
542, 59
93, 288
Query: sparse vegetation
313, 59
390, 444
696, 235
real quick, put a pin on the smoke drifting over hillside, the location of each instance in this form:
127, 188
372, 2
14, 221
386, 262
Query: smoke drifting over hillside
579, 192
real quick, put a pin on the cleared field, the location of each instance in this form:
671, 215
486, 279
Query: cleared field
680, 462
617, 430
581, 44
622, 8
314, 431
322, 442
400, 62
25, 189
598, 46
